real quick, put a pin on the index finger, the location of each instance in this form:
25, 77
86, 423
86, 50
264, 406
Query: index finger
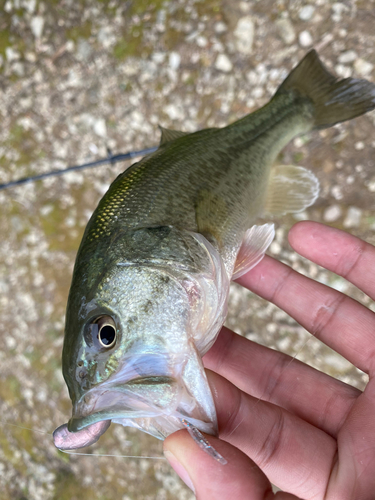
339, 321
338, 251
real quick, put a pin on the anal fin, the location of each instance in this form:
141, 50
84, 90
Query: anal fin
290, 189
254, 245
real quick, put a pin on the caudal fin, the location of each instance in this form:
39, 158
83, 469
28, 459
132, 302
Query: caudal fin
334, 100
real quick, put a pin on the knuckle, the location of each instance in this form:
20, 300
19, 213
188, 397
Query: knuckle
272, 444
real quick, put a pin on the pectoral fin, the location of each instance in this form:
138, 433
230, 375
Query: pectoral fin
254, 245
168, 135
291, 189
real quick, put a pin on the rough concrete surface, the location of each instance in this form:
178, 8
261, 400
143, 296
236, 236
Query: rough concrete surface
78, 77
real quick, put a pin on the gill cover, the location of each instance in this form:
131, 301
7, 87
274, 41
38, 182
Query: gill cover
165, 307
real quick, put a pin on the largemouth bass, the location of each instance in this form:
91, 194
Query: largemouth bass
151, 278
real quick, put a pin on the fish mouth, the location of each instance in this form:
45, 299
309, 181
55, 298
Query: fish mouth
142, 397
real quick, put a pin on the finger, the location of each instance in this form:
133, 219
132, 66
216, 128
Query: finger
295, 456
353, 474
272, 376
339, 321
338, 251
239, 478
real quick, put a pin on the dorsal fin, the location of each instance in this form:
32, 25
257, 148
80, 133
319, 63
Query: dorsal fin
168, 135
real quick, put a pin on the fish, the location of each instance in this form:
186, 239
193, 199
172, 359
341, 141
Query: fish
151, 279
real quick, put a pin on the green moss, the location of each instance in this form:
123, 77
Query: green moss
59, 238
10, 390
4, 40
80, 31
69, 487
127, 47
24, 142
297, 157
172, 38
209, 7
46, 370
140, 7
5, 447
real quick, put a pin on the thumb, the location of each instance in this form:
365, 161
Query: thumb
210, 480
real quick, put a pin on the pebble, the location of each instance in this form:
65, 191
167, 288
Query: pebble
18, 69
353, 217
337, 193
332, 213
174, 60
362, 67
84, 50
275, 248
202, 41
338, 9
174, 112
8, 6
343, 71
347, 57
244, 35
223, 63
158, 57
286, 30
105, 37
11, 54
99, 127
220, 27
30, 56
37, 25
29, 5
305, 39
306, 13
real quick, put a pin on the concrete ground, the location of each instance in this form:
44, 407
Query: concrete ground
78, 77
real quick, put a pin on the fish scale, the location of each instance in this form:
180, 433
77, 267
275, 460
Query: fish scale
153, 270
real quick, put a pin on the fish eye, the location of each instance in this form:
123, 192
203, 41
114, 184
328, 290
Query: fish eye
106, 331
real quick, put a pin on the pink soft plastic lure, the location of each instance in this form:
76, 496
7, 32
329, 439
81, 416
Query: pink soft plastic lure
65, 440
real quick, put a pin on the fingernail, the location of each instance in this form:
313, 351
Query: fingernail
179, 469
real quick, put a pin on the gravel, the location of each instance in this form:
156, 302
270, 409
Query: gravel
80, 77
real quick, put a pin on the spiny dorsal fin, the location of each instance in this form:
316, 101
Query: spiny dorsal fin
334, 100
290, 189
168, 135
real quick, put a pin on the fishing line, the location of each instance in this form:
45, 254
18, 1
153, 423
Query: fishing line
115, 456
110, 159
76, 452
27, 428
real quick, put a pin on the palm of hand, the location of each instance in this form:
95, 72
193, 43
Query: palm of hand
310, 434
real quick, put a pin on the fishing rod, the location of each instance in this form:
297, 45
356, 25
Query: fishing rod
110, 159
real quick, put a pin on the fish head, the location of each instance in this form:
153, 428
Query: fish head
131, 351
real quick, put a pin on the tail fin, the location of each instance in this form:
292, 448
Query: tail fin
334, 100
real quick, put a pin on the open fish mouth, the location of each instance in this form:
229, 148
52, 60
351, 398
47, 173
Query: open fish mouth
142, 397
153, 390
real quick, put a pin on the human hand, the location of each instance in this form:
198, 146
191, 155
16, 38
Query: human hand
310, 434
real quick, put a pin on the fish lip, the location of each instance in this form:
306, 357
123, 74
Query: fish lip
76, 424
84, 414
